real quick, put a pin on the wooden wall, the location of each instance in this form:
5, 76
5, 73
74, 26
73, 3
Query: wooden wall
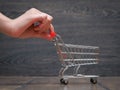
86, 22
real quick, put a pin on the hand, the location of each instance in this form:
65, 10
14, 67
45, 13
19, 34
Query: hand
23, 26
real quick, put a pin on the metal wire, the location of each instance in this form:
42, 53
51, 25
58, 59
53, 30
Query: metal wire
75, 55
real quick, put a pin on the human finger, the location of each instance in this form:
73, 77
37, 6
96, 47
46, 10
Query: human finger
44, 25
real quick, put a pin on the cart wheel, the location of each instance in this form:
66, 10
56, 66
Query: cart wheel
93, 80
63, 81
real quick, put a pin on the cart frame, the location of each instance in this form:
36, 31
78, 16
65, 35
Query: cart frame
75, 56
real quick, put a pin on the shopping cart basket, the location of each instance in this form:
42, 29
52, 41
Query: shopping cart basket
75, 56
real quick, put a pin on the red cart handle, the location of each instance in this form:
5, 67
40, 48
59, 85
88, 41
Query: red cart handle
52, 34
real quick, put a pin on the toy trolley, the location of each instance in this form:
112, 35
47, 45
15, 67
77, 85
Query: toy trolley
74, 56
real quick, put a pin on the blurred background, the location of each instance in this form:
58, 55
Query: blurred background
84, 22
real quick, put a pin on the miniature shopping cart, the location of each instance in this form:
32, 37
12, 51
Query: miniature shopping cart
74, 56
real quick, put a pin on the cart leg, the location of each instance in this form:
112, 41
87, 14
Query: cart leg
61, 74
62, 70
76, 69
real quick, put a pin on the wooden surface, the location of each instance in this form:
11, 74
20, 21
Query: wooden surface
86, 22
52, 83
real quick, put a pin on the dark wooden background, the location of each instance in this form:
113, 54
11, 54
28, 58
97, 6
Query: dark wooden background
86, 22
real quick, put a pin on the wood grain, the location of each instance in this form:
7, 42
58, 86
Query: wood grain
86, 22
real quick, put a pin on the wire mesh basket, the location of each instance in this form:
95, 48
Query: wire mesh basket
75, 56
